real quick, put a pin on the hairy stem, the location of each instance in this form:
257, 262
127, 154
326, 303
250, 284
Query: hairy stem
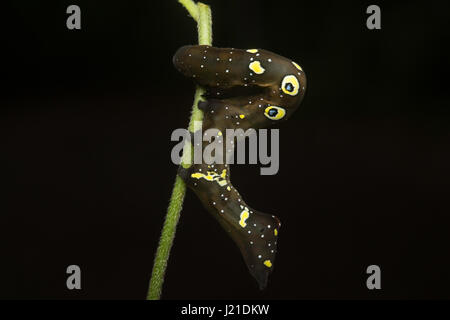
201, 13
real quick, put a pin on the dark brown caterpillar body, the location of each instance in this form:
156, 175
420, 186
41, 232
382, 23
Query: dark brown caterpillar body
245, 89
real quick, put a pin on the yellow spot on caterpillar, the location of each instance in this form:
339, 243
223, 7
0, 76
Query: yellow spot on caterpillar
228, 188
242, 116
290, 85
256, 67
244, 217
222, 182
297, 66
212, 176
275, 232
199, 175
267, 263
252, 50
220, 133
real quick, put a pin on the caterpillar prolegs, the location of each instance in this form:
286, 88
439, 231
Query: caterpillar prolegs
244, 89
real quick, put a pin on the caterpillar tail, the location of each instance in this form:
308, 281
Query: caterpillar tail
254, 232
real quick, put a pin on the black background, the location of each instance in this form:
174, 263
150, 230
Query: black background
86, 119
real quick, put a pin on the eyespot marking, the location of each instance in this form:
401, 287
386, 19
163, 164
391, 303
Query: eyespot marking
274, 112
290, 85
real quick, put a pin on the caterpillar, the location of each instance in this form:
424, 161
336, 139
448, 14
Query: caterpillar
245, 89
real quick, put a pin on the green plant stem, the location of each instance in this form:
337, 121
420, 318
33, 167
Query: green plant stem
201, 13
